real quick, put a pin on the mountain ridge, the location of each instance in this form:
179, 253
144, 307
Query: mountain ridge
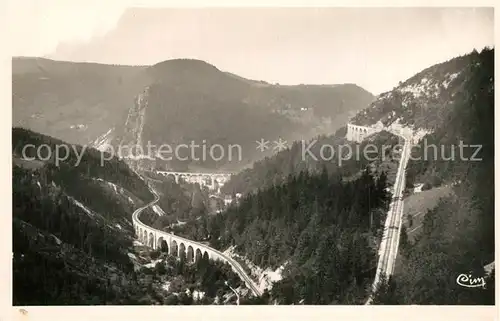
84, 101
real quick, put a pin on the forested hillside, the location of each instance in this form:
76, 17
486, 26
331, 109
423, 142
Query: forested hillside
62, 253
73, 241
470, 120
72, 226
457, 235
321, 228
348, 159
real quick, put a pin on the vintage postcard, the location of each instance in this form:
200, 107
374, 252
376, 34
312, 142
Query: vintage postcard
251, 156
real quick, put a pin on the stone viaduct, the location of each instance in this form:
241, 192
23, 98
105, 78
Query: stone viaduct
212, 180
181, 247
358, 133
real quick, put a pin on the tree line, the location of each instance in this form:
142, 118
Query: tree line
322, 228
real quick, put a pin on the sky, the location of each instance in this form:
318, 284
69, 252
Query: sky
372, 47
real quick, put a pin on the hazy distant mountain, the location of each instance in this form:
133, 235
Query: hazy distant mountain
187, 100
72, 101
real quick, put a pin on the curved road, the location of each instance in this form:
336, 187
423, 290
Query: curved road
235, 265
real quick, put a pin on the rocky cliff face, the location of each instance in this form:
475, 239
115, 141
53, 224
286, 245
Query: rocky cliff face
424, 101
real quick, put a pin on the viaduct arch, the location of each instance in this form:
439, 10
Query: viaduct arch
358, 133
175, 245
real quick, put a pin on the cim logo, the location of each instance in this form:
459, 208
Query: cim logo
468, 281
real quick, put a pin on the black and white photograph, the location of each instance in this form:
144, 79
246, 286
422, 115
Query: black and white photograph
215, 156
